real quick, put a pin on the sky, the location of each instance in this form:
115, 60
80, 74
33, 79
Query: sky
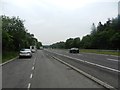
52, 21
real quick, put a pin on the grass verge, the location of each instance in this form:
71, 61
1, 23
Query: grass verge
108, 52
6, 56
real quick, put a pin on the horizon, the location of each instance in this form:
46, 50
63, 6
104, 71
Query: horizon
54, 21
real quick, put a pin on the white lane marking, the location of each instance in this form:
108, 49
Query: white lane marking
34, 61
31, 75
33, 68
101, 54
112, 59
103, 66
29, 85
86, 74
9, 61
89, 62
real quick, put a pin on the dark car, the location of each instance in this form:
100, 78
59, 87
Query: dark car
74, 50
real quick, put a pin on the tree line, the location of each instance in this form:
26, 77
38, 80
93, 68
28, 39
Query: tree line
15, 36
102, 36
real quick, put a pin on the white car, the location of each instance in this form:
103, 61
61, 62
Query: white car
25, 53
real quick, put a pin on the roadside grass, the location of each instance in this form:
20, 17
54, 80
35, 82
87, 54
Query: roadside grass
108, 52
6, 56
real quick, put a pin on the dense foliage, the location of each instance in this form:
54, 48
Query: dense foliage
15, 36
58, 45
71, 42
104, 36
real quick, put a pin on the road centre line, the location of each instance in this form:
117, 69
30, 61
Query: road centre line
31, 75
29, 85
112, 59
34, 61
33, 68
88, 62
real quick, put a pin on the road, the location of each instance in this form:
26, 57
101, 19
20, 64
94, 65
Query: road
102, 67
43, 71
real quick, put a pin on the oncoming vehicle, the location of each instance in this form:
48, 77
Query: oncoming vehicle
74, 50
25, 53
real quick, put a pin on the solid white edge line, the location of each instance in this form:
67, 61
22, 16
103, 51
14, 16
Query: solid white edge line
87, 75
89, 62
9, 61
112, 59
102, 66
29, 85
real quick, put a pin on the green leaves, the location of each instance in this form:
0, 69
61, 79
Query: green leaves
68, 44
104, 36
15, 35
107, 36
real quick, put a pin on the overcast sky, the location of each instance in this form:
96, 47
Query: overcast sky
57, 20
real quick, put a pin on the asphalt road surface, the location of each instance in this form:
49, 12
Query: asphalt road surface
43, 71
104, 67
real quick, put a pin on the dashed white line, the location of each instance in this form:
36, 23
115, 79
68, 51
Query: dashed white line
33, 68
34, 61
112, 59
31, 75
29, 85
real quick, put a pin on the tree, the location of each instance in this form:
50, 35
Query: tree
86, 42
100, 27
15, 35
69, 43
60, 45
106, 36
76, 42
115, 41
14, 27
39, 44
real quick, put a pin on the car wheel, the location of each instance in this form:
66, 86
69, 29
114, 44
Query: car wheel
19, 56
